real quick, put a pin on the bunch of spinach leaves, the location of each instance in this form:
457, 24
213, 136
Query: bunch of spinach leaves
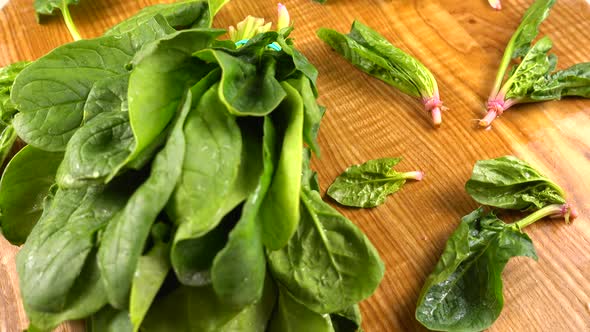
464, 292
166, 184
370, 52
531, 77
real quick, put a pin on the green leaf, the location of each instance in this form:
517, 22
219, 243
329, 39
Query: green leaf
246, 88
58, 247
51, 93
162, 71
573, 81
189, 309
204, 193
7, 76
96, 151
107, 95
125, 236
464, 292
348, 320
279, 213
7, 138
86, 297
149, 276
24, 185
109, 319
372, 53
329, 264
292, 316
510, 183
535, 65
178, 15
313, 112
369, 184
48, 7
239, 270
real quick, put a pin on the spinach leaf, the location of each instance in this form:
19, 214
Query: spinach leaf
56, 251
209, 172
292, 316
348, 320
313, 113
189, 309
280, 213
149, 276
162, 71
85, 298
109, 319
370, 52
47, 7
369, 184
51, 93
24, 185
239, 270
189, 13
7, 138
464, 292
329, 264
7, 76
510, 183
107, 95
573, 81
245, 87
96, 151
124, 238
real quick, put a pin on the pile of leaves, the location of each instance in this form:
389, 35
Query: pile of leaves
166, 185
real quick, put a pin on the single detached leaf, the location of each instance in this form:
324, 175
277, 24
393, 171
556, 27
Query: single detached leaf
239, 270
280, 213
24, 185
573, 81
124, 238
510, 183
369, 184
464, 292
329, 264
51, 93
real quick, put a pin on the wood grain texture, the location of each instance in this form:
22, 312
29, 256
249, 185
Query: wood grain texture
461, 42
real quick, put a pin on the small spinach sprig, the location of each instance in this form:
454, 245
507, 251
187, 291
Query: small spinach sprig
464, 292
369, 184
369, 51
48, 7
531, 79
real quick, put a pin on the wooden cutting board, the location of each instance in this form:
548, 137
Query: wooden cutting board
462, 43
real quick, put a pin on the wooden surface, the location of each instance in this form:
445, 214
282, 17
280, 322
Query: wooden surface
461, 42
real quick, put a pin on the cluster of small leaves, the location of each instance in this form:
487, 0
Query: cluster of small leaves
7, 108
165, 171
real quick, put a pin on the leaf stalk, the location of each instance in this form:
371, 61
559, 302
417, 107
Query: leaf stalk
554, 210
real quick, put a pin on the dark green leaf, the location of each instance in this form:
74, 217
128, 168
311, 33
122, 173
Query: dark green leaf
24, 185
348, 320
51, 93
57, 249
239, 269
109, 319
279, 213
510, 183
464, 293
246, 87
86, 297
368, 184
329, 264
313, 112
125, 236
96, 151
107, 95
179, 14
